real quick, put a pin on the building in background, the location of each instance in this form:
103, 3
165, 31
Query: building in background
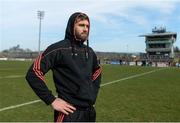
159, 45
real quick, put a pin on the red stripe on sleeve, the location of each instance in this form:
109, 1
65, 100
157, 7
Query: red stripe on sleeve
37, 68
96, 74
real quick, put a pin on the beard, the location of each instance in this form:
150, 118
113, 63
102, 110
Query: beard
82, 36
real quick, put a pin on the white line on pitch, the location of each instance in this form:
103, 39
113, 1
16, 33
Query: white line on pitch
20, 105
108, 83
130, 77
11, 76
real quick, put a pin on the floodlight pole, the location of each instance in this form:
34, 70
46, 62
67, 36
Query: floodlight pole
40, 17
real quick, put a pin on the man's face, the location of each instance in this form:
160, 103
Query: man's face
81, 29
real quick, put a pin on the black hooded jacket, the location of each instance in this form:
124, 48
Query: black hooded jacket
76, 72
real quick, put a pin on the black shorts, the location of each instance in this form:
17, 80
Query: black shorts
80, 115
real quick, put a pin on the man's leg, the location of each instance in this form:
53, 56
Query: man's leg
80, 115
58, 116
92, 115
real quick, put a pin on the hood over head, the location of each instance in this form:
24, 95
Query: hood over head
70, 25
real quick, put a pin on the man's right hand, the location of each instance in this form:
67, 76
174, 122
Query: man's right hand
62, 106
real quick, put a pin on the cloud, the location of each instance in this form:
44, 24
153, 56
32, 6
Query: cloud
57, 12
110, 18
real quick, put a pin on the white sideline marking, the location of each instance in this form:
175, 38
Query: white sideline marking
108, 83
20, 105
130, 77
11, 76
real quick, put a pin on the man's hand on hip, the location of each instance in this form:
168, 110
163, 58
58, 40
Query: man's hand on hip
62, 106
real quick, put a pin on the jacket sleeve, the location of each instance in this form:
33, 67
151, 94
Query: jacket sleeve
35, 76
96, 76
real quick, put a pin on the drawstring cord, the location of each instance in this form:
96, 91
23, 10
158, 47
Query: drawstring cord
87, 50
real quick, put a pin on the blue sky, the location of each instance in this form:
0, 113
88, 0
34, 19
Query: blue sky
115, 24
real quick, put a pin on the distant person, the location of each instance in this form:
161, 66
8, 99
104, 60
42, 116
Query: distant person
76, 74
136, 62
120, 61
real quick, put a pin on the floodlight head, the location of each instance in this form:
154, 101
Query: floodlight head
40, 14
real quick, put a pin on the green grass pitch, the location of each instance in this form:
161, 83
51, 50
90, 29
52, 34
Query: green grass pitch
136, 95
